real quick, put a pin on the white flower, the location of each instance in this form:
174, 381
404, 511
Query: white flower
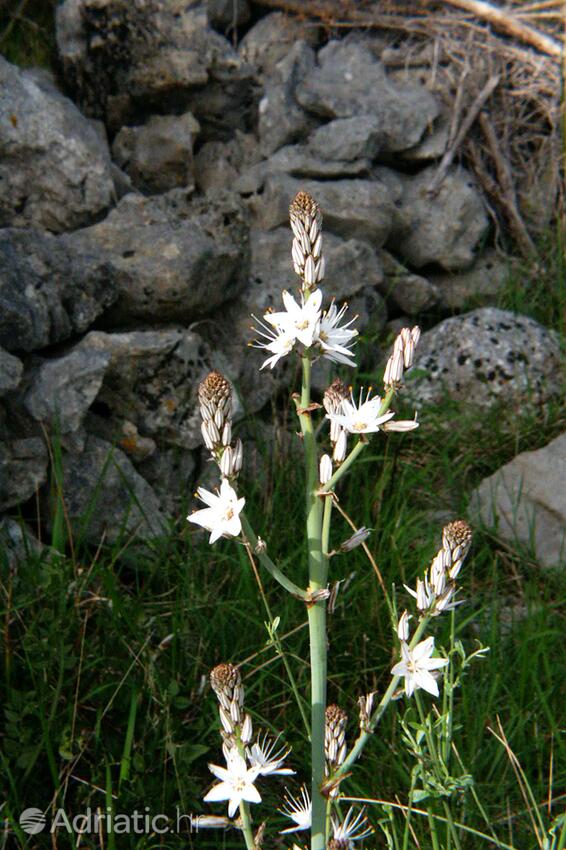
354, 827
278, 342
222, 517
416, 665
401, 425
237, 783
299, 321
363, 418
334, 339
299, 810
262, 755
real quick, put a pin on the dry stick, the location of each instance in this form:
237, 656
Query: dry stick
508, 196
504, 20
465, 126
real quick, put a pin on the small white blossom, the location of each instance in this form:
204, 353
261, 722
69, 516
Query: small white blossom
336, 341
237, 783
363, 418
299, 810
222, 517
279, 342
300, 321
264, 756
401, 425
354, 827
416, 665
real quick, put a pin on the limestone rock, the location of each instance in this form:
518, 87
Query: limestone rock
525, 500
486, 356
353, 209
347, 139
408, 292
48, 291
55, 170
349, 82
158, 156
23, 468
62, 389
17, 543
480, 285
271, 39
11, 370
226, 15
171, 256
445, 229
217, 164
170, 471
105, 496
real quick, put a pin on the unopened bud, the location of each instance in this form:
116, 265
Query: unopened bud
341, 447
403, 626
246, 733
357, 538
325, 469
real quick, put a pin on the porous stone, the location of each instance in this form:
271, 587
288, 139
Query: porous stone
125, 61
272, 37
487, 356
55, 170
171, 256
525, 501
171, 471
280, 118
49, 291
151, 381
106, 498
353, 209
62, 389
350, 82
480, 285
347, 139
11, 370
445, 229
217, 164
406, 291
158, 156
23, 469
298, 161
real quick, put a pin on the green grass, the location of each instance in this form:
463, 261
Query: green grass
27, 32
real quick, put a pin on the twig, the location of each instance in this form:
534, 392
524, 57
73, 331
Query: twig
465, 126
508, 195
504, 20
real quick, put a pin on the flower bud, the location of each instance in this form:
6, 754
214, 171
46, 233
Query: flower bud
358, 537
325, 469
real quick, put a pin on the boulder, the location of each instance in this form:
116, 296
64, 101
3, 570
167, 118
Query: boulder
125, 61
49, 291
55, 170
23, 469
171, 471
17, 544
487, 356
445, 229
347, 139
271, 39
171, 256
62, 389
158, 156
11, 370
217, 164
227, 15
280, 118
353, 209
408, 292
105, 498
525, 501
480, 285
350, 82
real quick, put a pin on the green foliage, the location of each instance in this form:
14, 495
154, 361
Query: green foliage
27, 32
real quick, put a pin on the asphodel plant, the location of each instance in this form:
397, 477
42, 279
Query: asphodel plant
312, 327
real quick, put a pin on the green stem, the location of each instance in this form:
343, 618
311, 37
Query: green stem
318, 570
364, 736
268, 564
247, 825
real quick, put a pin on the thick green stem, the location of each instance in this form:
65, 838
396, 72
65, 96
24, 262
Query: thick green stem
318, 570
247, 826
266, 562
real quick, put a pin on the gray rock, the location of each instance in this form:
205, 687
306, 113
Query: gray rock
171, 256
227, 15
158, 156
486, 356
151, 381
125, 61
17, 543
11, 370
446, 229
408, 292
525, 500
480, 285
105, 498
353, 209
272, 37
217, 164
433, 145
347, 139
350, 82
280, 118
61, 390
48, 291
170, 471
54, 168
23, 468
